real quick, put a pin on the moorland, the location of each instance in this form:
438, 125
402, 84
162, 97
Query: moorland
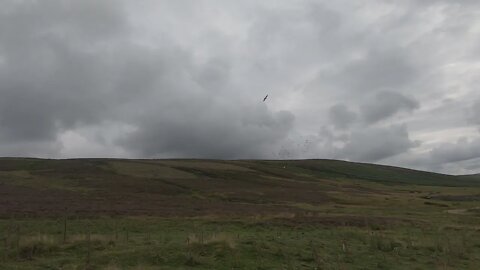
237, 214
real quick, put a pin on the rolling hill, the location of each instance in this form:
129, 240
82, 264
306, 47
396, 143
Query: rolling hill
238, 214
195, 187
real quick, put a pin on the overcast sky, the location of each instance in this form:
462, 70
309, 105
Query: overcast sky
390, 82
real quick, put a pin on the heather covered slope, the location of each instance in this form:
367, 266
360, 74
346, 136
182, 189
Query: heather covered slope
197, 187
245, 214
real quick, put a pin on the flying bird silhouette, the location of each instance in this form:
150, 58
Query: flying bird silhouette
265, 98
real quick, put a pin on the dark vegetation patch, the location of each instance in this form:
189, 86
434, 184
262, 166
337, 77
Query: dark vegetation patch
372, 222
436, 204
474, 210
457, 198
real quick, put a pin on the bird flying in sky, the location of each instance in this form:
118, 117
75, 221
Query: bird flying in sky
265, 98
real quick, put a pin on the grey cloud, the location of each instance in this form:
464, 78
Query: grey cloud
368, 144
374, 144
386, 104
459, 157
473, 113
47, 149
379, 70
80, 67
472, 165
463, 149
78, 20
216, 132
182, 79
341, 116
376, 70
51, 80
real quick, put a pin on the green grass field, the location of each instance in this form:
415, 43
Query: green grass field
209, 214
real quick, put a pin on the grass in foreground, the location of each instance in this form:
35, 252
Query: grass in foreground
152, 243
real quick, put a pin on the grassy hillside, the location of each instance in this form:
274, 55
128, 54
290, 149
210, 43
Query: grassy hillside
243, 214
168, 187
475, 177
335, 169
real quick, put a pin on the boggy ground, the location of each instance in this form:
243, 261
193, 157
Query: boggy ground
207, 214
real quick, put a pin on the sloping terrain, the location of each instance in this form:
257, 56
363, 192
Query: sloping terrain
471, 177
243, 214
40, 187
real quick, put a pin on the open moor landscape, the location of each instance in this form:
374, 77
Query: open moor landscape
240, 214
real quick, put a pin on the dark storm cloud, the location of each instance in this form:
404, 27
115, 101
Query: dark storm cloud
219, 132
53, 76
386, 104
73, 63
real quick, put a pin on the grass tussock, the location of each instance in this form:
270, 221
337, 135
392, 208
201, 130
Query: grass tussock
39, 245
212, 239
